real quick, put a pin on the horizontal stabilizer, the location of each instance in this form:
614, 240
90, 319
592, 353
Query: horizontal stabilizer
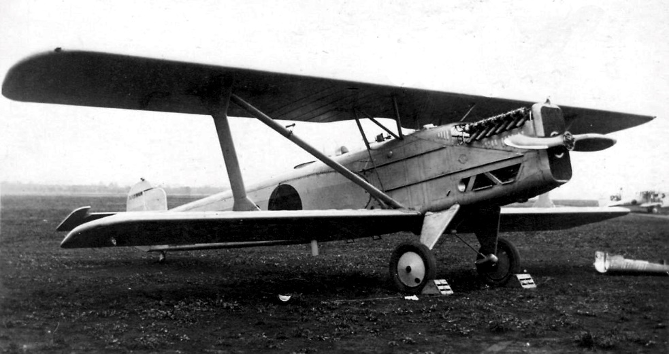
81, 216
188, 228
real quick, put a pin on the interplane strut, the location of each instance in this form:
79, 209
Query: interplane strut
217, 104
396, 110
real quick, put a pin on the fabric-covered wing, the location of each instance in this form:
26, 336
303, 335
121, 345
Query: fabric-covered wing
559, 218
546, 219
117, 81
187, 228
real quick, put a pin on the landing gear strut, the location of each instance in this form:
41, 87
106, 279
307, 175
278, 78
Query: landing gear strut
508, 264
412, 266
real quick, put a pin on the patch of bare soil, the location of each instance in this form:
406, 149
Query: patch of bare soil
122, 300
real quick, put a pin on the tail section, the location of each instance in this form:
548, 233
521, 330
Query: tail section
142, 197
145, 197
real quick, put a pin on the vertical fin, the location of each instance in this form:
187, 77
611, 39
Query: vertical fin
144, 197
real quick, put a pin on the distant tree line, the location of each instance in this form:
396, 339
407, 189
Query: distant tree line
106, 189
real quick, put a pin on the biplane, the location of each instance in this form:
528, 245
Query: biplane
650, 200
470, 156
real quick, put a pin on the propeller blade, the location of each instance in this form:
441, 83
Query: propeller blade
581, 142
533, 143
593, 142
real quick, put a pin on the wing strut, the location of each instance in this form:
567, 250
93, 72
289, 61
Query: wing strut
397, 116
367, 145
380, 125
379, 195
217, 104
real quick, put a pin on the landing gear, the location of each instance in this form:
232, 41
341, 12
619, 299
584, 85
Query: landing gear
653, 210
412, 266
508, 264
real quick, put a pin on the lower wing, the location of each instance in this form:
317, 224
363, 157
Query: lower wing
197, 230
559, 218
190, 228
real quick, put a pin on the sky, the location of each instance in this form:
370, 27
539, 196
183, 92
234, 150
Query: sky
600, 54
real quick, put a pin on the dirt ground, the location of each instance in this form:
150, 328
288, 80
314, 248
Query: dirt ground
224, 301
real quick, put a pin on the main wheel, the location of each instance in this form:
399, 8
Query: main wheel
653, 210
412, 265
509, 263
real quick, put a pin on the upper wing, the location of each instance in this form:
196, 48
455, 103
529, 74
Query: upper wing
188, 228
116, 81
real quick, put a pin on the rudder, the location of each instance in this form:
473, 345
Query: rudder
145, 197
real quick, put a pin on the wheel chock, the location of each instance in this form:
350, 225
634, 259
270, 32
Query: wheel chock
437, 287
524, 281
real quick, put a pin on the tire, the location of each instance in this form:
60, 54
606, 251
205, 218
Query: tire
411, 267
509, 263
653, 210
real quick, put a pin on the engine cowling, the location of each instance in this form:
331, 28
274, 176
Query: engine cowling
548, 121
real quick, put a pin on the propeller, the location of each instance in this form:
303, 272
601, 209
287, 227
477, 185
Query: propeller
580, 142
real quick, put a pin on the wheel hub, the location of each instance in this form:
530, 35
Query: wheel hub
501, 267
411, 269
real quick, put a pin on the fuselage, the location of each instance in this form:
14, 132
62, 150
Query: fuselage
428, 170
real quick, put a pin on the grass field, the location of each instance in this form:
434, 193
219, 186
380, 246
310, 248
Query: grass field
224, 301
